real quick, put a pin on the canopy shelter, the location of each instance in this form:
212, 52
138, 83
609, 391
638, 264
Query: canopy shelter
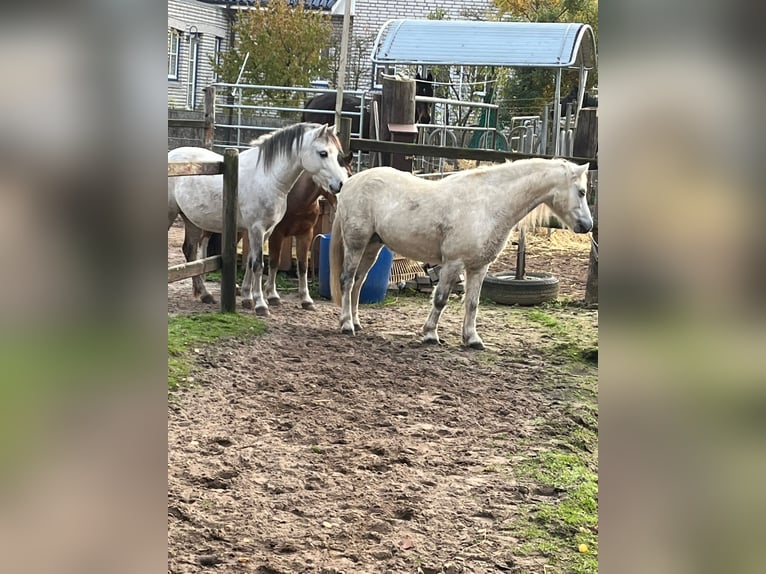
474, 43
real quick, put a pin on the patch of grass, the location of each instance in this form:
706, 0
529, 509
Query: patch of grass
390, 300
184, 332
574, 340
283, 281
555, 529
215, 276
543, 318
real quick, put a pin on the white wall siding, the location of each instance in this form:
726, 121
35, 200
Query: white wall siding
210, 22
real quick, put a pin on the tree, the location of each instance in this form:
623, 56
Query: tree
285, 47
528, 90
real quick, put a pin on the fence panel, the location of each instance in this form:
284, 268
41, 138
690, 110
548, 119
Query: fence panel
227, 261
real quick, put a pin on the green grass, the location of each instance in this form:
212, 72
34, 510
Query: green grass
543, 318
185, 332
555, 529
283, 281
553, 525
215, 276
573, 339
562, 511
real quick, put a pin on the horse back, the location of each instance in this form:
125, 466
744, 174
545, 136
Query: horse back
326, 103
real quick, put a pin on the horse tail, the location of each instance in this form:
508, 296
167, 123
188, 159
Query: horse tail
336, 259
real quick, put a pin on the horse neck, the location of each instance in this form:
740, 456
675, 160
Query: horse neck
519, 190
303, 194
285, 170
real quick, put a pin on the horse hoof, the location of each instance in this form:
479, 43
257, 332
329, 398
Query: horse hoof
477, 346
357, 327
247, 303
262, 311
432, 341
308, 306
208, 298
275, 301
347, 331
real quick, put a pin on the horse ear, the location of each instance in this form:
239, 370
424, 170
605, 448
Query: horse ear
581, 169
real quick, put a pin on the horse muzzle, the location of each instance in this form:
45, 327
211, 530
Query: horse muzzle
336, 187
583, 226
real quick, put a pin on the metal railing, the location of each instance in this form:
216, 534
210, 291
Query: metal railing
247, 108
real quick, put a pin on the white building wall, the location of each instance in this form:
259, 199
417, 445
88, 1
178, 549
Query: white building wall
210, 22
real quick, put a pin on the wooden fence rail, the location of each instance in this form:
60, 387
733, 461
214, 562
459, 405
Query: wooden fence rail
227, 261
451, 152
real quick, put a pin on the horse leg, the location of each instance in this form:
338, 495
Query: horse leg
351, 259
275, 250
448, 277
302, 243
368, 260
473, 280
251, 283
193, 236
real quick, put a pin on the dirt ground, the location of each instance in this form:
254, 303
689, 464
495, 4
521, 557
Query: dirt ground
305, 450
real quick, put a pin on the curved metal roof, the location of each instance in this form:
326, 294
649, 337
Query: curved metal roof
473, 43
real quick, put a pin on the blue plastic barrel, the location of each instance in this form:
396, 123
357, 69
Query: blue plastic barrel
376, 283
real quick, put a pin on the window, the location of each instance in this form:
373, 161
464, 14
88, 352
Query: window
191, 83
174, 41
217, 57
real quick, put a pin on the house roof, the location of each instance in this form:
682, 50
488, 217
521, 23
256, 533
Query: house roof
473, 43
308, 4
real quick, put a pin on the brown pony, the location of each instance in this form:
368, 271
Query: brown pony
299, 221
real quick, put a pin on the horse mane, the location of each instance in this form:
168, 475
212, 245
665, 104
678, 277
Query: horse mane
541, 214
281, 142
538, 217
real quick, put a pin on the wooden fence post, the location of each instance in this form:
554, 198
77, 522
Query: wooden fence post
229, 235
591, 287
586, 137
344, 135
209, 116
397, 106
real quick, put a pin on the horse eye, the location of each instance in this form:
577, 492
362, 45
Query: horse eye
322, 153
582, 193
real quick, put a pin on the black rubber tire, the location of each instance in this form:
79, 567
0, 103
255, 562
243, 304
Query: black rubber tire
503, 288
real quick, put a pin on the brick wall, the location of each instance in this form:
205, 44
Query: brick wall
372, 14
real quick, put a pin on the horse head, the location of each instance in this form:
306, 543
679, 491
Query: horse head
568, 200
423, 87
320, 154
345, 163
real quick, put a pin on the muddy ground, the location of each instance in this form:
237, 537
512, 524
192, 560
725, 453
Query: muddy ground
304, 450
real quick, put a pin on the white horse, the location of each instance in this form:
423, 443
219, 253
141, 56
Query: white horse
461, 222
267, 172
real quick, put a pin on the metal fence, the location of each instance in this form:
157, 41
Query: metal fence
246, 111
